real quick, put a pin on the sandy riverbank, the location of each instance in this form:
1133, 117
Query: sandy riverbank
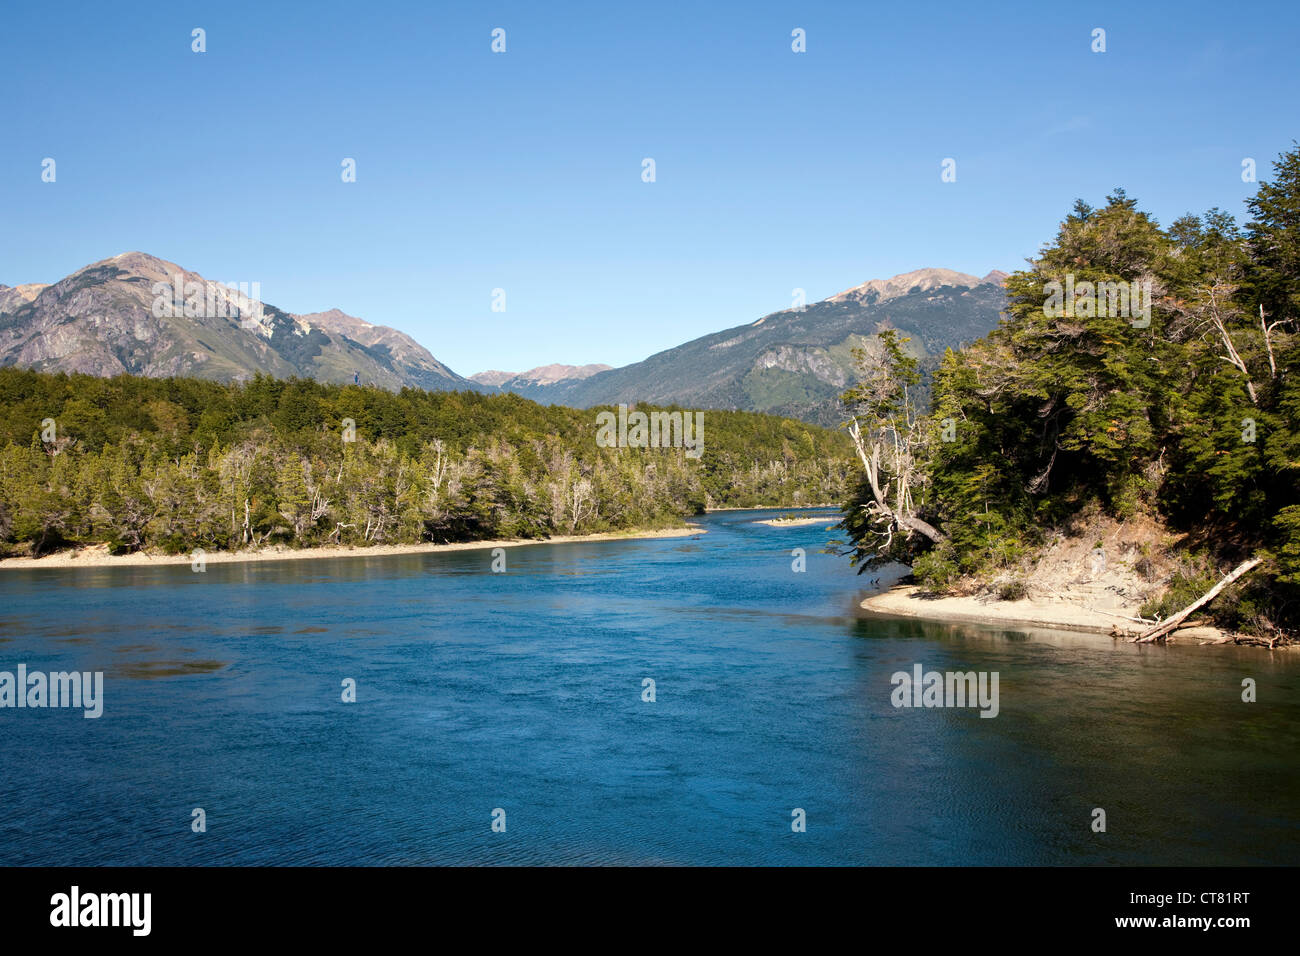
98, 556
907, 600
1095, 579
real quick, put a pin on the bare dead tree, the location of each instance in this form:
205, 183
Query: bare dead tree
1268, 340
1215, 310
893, 506
890, 447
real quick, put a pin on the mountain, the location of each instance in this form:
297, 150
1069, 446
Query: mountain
138, 314
492, 378
540, 376
417, 366
922, 280
142, 315
14, 296
797, 362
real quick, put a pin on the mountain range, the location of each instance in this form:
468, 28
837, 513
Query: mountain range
141, 315
796, 362
540, 376
105, 320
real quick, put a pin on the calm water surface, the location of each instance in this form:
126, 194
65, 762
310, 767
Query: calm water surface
523, 691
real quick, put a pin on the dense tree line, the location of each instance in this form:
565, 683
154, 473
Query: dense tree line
178, 464
1189, 409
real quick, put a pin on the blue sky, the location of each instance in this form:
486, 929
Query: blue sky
522, 170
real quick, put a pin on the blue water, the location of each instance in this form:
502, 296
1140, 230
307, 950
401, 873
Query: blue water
523, 691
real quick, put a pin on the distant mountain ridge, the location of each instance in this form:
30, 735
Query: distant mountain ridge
542, 375
104, 319
920, 280
796, 362
418, 366
14, 296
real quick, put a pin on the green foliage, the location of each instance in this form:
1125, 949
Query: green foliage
1012, 589
1286, 524
1186, 586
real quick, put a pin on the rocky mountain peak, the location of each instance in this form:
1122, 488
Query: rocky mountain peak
922, 280
105, 319
542, 375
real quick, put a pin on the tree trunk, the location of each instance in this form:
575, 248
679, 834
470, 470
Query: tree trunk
871, 463
1164, 627
927, 529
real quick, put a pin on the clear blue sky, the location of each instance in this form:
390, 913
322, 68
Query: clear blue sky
522, 170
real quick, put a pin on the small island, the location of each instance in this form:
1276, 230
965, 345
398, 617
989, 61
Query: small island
799, 521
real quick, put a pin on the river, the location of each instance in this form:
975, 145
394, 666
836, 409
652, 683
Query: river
524, 692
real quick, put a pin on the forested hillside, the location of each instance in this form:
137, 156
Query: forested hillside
178, 464
1080, 402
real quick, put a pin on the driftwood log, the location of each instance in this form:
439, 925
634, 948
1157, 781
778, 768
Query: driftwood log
1158, 631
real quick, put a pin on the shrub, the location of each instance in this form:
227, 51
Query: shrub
1012, 589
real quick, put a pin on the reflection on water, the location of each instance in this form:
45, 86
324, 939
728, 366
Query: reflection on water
524, 691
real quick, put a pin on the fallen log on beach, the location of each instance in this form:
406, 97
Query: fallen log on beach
1158, 631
